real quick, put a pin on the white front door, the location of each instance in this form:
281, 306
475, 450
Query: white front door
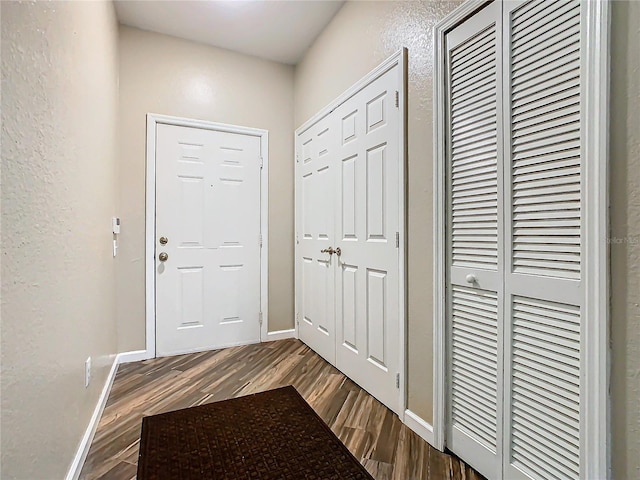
348, 198
208, 212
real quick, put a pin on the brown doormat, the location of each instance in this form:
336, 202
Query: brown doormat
274, 435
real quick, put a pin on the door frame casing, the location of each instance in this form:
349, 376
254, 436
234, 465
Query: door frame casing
595, 336
397, 59
154, 119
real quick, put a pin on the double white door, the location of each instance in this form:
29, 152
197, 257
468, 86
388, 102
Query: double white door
348, 211
207, 239
516, 239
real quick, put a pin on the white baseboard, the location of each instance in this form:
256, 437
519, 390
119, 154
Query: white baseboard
419, 426
133, 356
85, 443
281, 335
201, 350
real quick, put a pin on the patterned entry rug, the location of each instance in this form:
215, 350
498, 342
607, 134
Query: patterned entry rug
273, 435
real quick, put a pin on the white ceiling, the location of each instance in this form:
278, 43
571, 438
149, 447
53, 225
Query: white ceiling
277, 30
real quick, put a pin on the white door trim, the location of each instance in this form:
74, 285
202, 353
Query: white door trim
596, 263
153, 120
595, 119
399, 59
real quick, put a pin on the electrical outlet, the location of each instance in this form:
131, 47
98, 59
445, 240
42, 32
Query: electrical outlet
87, 372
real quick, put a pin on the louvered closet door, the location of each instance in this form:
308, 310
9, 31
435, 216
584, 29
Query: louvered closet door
543, 284
475, 241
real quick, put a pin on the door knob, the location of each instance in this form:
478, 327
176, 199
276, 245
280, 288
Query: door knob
471, 278
163, 257
164, 240
338, 251
329, 250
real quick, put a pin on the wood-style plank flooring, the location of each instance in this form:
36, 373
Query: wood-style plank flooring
386, 447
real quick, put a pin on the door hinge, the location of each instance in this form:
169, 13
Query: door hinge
298, 318
260, 318
297, 157
397, 239
397, 99
397, 380
260, 240
297, 239
261, 163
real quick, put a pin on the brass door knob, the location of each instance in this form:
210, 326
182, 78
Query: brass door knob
164, 240
163, 257
329, 250
338, 251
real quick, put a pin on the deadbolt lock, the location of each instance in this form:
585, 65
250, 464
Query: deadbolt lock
163, 257
164, 240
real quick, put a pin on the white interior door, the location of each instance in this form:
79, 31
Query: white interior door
475, 273
315, 212
367, 232
349, 198
544, 235
518, 205
208, 210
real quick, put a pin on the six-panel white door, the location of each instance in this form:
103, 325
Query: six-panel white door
315, 212
367, 226
348, 198
208, 209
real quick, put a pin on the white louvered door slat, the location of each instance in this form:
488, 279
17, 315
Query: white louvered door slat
475, 244
543, 239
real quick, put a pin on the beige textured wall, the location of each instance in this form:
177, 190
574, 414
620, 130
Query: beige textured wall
625, 234
362, 35
162, 74
59, 104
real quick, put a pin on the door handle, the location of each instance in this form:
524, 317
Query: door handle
164, 240
331, 251
163, 257
471, 278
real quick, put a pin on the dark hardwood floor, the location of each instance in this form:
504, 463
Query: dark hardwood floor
386, 447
